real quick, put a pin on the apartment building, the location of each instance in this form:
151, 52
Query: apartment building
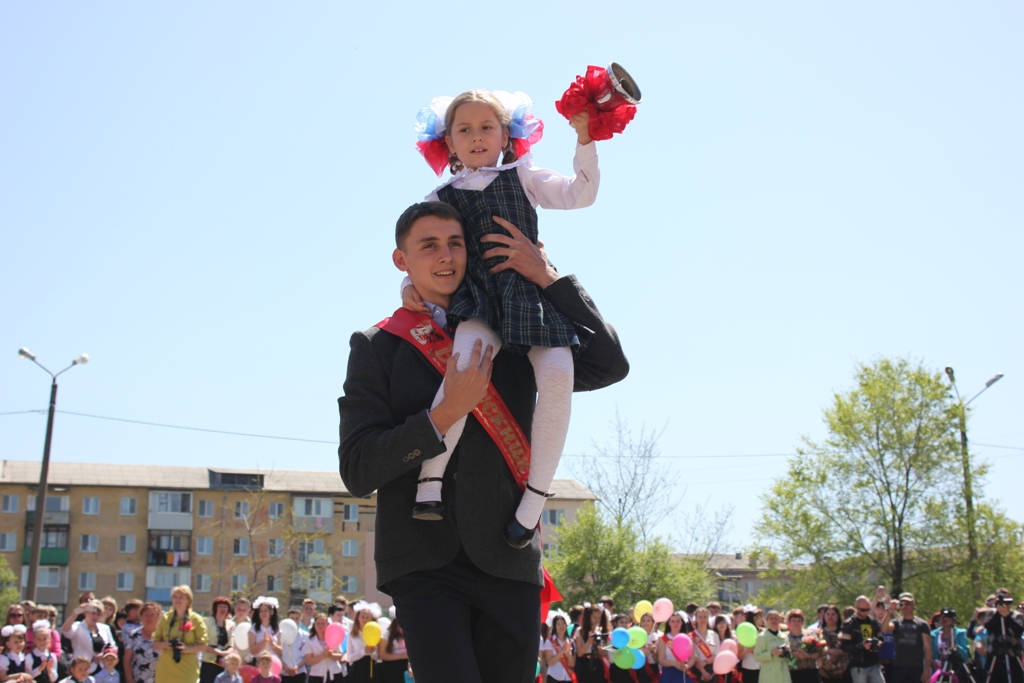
136, 531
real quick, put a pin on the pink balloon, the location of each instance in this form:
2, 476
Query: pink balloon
682, 647
275, 665
725, 662
937, 673
662, 609
729, 645
334, 634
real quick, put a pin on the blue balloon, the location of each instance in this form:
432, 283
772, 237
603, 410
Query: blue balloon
639, 659
620, 638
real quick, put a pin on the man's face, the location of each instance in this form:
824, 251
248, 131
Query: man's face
862, 607
908, 608
715, 610
308, 610
433, 254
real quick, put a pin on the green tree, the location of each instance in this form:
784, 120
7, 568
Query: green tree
880, 500
9, 593
597, 556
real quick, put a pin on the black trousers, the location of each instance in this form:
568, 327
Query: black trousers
461, 624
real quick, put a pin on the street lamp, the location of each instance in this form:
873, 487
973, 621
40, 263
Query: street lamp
37, 526
972, 541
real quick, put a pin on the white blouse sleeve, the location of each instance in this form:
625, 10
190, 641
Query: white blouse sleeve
551, 190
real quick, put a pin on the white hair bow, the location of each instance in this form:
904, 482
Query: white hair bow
42, 623
264, 599
11, 629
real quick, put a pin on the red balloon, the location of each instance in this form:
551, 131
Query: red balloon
247, 671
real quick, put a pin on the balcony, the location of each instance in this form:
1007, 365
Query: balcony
47, 556
168, 558
56, 518
159, 595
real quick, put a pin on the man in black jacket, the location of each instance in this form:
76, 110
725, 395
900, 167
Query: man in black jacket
860, 636
468, 602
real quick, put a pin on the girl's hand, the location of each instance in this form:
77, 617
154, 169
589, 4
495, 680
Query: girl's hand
412, 301
581, 124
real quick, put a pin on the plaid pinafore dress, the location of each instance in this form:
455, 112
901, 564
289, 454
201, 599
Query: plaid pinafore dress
513, 307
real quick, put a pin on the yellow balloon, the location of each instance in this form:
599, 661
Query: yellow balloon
371, 633
643, 607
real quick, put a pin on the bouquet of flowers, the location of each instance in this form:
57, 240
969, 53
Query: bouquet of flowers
810, 645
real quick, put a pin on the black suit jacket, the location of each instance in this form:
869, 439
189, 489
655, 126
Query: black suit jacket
386, 435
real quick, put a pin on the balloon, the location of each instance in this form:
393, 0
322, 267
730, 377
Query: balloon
572, 627
247, 671
639, 659
371, 633
643, 607
623, 658
334, 634
937, 673
729, 645
289, 631
662, 609
385, 624
682, 647
637, 637
275, 665
746, 634
538, 669
241, 637
725, 662
620, 638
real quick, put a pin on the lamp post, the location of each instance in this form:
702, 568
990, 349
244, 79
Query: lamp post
37, 526
972, 541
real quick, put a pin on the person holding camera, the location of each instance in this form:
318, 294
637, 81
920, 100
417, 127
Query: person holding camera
180, 637
860, 637
1004, 629
913, 661
950, 648
591, 639
771, 650
88, 635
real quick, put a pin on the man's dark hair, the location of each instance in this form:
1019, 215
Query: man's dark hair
421, 210
334, 609
691, 607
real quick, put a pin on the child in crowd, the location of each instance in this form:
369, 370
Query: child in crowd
44, 661
15, 663
79, 671
495, 304
107, 673
230, 674
265, 662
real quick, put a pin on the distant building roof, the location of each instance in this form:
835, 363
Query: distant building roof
174, 477
739, 562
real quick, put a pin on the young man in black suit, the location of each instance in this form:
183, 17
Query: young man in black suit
467, 601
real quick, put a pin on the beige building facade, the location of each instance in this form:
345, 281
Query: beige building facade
136, 531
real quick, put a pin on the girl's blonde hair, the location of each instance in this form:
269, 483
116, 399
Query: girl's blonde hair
454, 165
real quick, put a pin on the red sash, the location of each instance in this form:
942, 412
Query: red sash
704, 648
493, 415
563, 660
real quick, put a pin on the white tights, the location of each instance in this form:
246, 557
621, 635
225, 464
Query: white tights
553, 370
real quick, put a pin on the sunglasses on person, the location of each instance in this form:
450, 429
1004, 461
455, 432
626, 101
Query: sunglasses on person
18, 615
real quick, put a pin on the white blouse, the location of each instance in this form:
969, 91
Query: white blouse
81, 641
326, 667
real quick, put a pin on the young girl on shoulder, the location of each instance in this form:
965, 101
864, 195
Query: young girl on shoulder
487, 137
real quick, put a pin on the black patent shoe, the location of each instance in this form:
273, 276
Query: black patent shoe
518, 536
430, 511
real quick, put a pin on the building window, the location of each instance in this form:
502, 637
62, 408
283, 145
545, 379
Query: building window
90, 543
174, 502
277, 510
548, 549
53, 537
308, 548
242, 510
125, 581
238, 582
8, 542
170, 540
10, 503
275, 584
87, 581
240, 547
48, 577
349, 584
553, 517
90, 505
128, 506
204, 545
126, 544
53, 503
206, 508
275, 547
350, 548
313, 507
351, 513
203, 583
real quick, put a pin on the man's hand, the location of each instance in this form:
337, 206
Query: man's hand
463, 389
523, 256
412, 301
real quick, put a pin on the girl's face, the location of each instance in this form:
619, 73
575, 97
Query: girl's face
42, 639
721, 626
675, 623
364, 616
647, 621
477, 137
16, 642
108, 612
831, 618
559, 625
265, 667
595, 617
265, 612
702, 617
321, 626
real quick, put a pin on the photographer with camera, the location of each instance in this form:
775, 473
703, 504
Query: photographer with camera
950, 648
591, 638
861, 638
180, 638
913, 662
772, 650
1004, 645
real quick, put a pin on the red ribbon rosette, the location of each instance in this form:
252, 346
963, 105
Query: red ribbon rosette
580, 96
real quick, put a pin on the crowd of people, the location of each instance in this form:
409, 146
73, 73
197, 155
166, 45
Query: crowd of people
241, 641
879, 640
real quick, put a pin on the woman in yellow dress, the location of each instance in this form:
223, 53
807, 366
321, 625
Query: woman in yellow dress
181, 633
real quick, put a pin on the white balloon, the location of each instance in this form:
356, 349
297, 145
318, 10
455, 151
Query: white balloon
241, 637
289, 631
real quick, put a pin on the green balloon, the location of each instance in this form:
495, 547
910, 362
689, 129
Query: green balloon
538, 669
746, 634
623, 658
637, 637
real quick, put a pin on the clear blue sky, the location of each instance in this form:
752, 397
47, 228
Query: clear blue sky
202, 197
